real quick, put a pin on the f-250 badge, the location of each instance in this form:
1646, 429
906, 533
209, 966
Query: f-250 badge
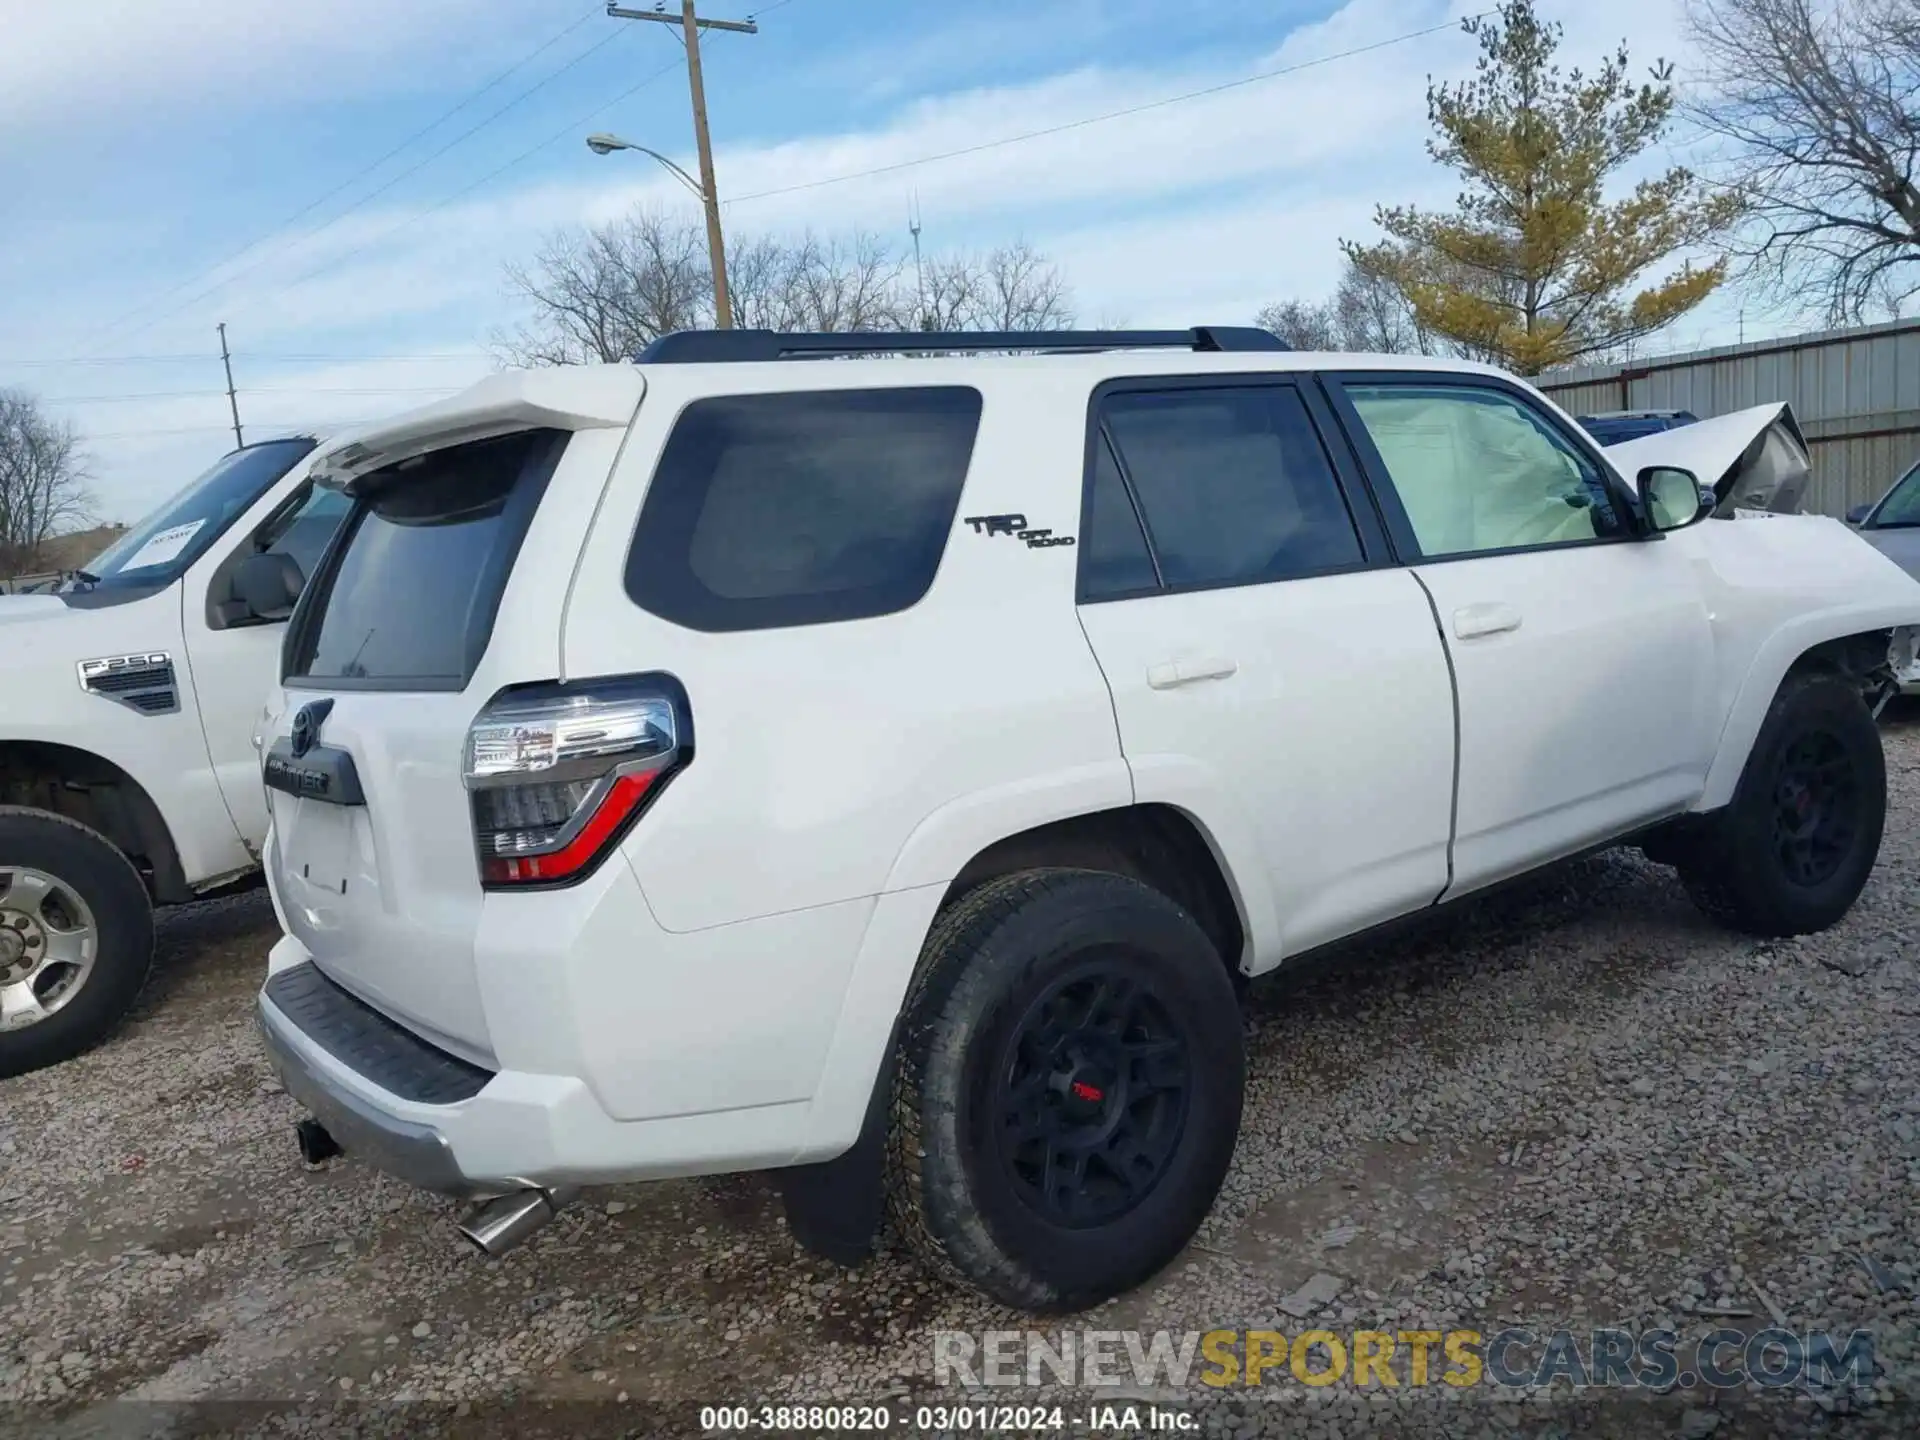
1016, 526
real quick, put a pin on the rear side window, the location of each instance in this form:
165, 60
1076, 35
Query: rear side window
411, 594
1114, 559
799, 509
1233, 484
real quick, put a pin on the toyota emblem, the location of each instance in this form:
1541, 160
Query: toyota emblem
306, 725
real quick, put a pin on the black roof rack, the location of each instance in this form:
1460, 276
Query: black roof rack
688, 347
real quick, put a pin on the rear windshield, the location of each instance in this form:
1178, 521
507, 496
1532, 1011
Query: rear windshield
775, 510
410, 599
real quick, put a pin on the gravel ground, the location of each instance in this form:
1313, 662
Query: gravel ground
1576, 1106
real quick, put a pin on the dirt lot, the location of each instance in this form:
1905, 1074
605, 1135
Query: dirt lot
1577, 1106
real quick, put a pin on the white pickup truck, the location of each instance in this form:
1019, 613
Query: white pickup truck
128, 774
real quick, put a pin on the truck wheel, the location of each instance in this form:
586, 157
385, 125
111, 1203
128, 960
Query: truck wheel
76, 938
1068, 1089
1793, 850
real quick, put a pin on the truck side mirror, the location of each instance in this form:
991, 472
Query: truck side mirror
268, 584
1858, 514
1672, 498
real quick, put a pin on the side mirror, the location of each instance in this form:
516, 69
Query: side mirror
1672, 498
267, 585
1858, 514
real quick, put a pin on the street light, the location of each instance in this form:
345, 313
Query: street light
716, 246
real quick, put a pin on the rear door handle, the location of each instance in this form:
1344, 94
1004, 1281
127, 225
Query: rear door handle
1493, 618
1169, 673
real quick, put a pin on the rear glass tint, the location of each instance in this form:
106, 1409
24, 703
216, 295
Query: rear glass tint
799, 509
410, 600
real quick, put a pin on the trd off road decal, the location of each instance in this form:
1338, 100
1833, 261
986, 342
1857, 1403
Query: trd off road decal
1016, 526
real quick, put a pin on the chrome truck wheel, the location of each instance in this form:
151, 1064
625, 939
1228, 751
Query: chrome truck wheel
76, 938
48, 941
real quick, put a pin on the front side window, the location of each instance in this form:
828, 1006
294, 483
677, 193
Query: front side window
302, 534
801, 509
1233, 484
1479, 470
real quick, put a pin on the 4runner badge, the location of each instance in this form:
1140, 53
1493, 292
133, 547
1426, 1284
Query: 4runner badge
1016, 526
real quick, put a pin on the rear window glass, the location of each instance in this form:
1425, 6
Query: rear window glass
799, 509
410, 600
1233, 484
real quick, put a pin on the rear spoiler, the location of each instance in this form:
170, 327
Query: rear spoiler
565, 397
1755, 459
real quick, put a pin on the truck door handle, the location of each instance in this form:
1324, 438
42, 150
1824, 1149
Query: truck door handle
1169, 673
1493, 618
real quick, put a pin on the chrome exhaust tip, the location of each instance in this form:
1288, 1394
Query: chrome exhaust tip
508, 1221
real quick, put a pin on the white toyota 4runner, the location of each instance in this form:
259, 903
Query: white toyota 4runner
129, 702
885, 771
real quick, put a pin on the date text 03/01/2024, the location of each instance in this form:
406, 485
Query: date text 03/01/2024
945, 1419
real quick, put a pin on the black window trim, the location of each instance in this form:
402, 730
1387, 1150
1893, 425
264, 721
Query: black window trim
1380, 483
523, 501
1375, 551
947, 531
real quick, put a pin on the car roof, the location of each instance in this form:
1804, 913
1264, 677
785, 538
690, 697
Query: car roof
594, 396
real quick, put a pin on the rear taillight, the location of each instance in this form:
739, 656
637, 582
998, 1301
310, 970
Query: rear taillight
557, 773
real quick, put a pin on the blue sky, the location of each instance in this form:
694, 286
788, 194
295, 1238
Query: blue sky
170, 167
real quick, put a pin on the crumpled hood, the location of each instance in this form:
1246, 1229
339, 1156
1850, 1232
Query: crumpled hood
1755, 459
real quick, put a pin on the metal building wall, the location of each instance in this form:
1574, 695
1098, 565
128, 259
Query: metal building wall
1855, 392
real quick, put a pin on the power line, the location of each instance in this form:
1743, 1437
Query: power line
126, 399
571, 128
327, 425
1100, 119
274, 357
386, 185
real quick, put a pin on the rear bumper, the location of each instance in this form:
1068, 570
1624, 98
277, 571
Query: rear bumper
415, 1152
517, 1130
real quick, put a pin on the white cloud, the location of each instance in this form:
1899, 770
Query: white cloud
113, 60
1190, 213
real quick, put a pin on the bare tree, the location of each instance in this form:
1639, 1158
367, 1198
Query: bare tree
814, 284
601, 294
1372, 315
1367, 313
1012, 288
1303, 324
42, 480
1817, 105
1020, 289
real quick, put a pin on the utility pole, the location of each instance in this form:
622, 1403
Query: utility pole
233, 400
690, 27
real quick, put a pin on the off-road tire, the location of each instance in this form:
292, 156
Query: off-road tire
1733, 867
994, 961
106, 880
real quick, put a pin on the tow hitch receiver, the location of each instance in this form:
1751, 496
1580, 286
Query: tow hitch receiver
317, 1145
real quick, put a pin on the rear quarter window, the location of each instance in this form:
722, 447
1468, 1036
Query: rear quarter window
801, 509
